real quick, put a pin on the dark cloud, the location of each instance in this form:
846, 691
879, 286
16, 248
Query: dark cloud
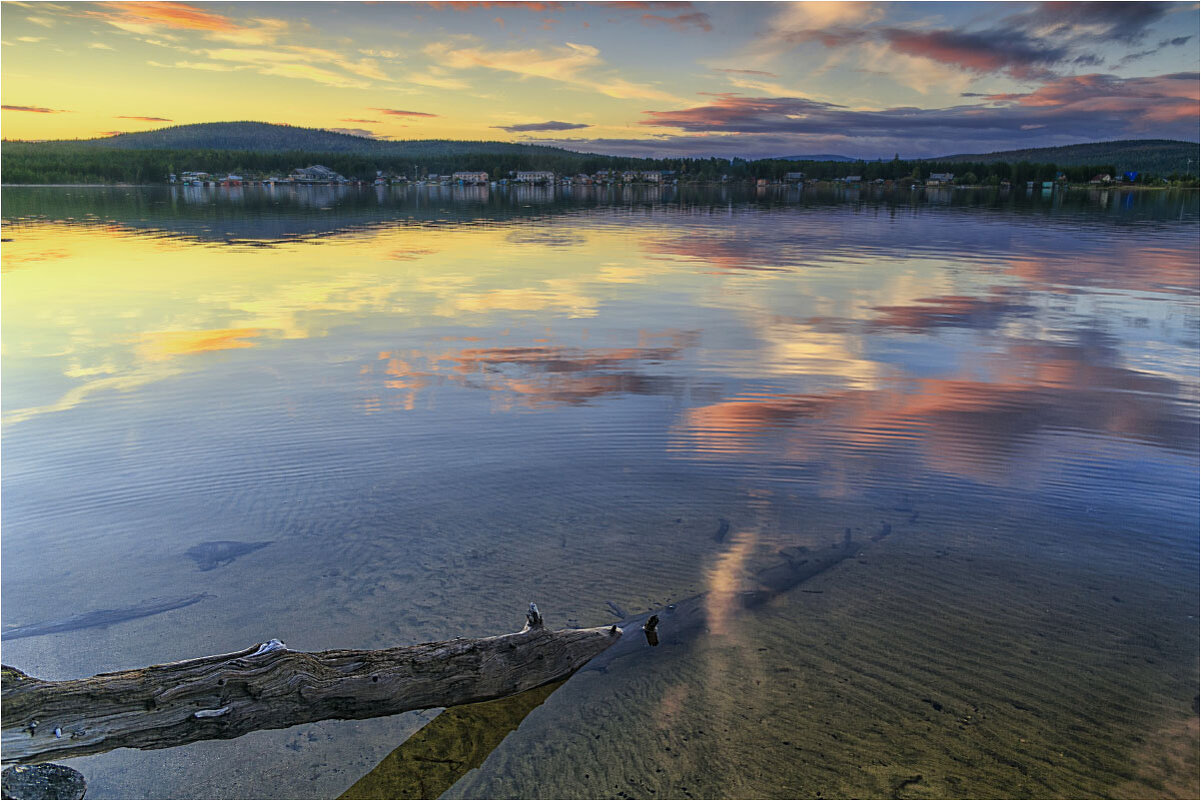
550, 125
35, 109
681, 22
143, 119
987, 51
395, 112
1179, 40
1068, 110
1028, 45
1124, 22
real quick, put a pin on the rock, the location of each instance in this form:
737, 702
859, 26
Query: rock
42, 781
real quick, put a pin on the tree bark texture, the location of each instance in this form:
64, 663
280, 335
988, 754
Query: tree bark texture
270, 687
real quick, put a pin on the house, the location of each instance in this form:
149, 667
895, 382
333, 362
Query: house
794, 177
1103, 178
937, 178
467, 177
654, 176
852, 179
535, 176
316, 174
629, 176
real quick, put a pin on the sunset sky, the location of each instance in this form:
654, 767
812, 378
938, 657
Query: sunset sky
727, 79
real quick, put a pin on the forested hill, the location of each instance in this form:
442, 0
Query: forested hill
1159, 156
270, 138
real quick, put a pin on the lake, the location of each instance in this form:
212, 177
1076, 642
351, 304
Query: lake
438, 404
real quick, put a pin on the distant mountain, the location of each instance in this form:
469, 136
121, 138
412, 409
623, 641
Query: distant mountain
821, 157
1161, 156
267, 137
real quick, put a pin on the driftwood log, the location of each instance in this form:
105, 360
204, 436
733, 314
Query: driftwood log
268, 686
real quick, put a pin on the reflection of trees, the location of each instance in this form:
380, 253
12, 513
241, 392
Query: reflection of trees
811, 222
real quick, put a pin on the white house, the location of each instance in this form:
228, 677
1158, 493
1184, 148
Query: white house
535, 176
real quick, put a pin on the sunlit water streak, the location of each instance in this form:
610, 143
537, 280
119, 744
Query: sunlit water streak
441, 403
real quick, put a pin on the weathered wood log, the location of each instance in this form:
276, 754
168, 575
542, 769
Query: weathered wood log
270, 687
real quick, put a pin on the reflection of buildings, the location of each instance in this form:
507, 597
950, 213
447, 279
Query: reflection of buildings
535, 177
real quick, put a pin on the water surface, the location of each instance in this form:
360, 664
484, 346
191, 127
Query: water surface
438, 404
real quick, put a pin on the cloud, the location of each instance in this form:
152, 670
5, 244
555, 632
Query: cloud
552, 125
1123, 22
538, 7
292, 61
141, 17
1062, 111
681, 22
143, 119
35, 109
1027, 45
988, 51
45, 22
569, 63
31, 39
363, 132
207, 66
99, 46
395, 112
369, 122
110, 133
749, 72
262, 32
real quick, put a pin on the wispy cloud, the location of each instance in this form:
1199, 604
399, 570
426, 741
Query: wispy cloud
368, 122
552, 125
99, 46
748, 72
204, 66
681, 22
396, 112
571, 63
143, 119
31, 39
35, 109
142, 17
45, 22
538, 7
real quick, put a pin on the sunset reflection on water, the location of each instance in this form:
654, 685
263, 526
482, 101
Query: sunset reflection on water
438, 404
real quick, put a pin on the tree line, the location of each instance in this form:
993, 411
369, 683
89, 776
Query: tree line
25, 163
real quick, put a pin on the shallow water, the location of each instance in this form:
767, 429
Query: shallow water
438, 404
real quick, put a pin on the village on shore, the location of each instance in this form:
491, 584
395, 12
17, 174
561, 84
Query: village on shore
320, 175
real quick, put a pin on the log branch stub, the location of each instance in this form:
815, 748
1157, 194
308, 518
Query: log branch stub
268, 686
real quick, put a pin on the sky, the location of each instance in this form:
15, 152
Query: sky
754, 80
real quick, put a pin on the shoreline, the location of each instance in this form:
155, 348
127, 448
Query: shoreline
746, 184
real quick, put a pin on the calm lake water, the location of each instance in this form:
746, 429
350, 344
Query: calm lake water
439, 404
